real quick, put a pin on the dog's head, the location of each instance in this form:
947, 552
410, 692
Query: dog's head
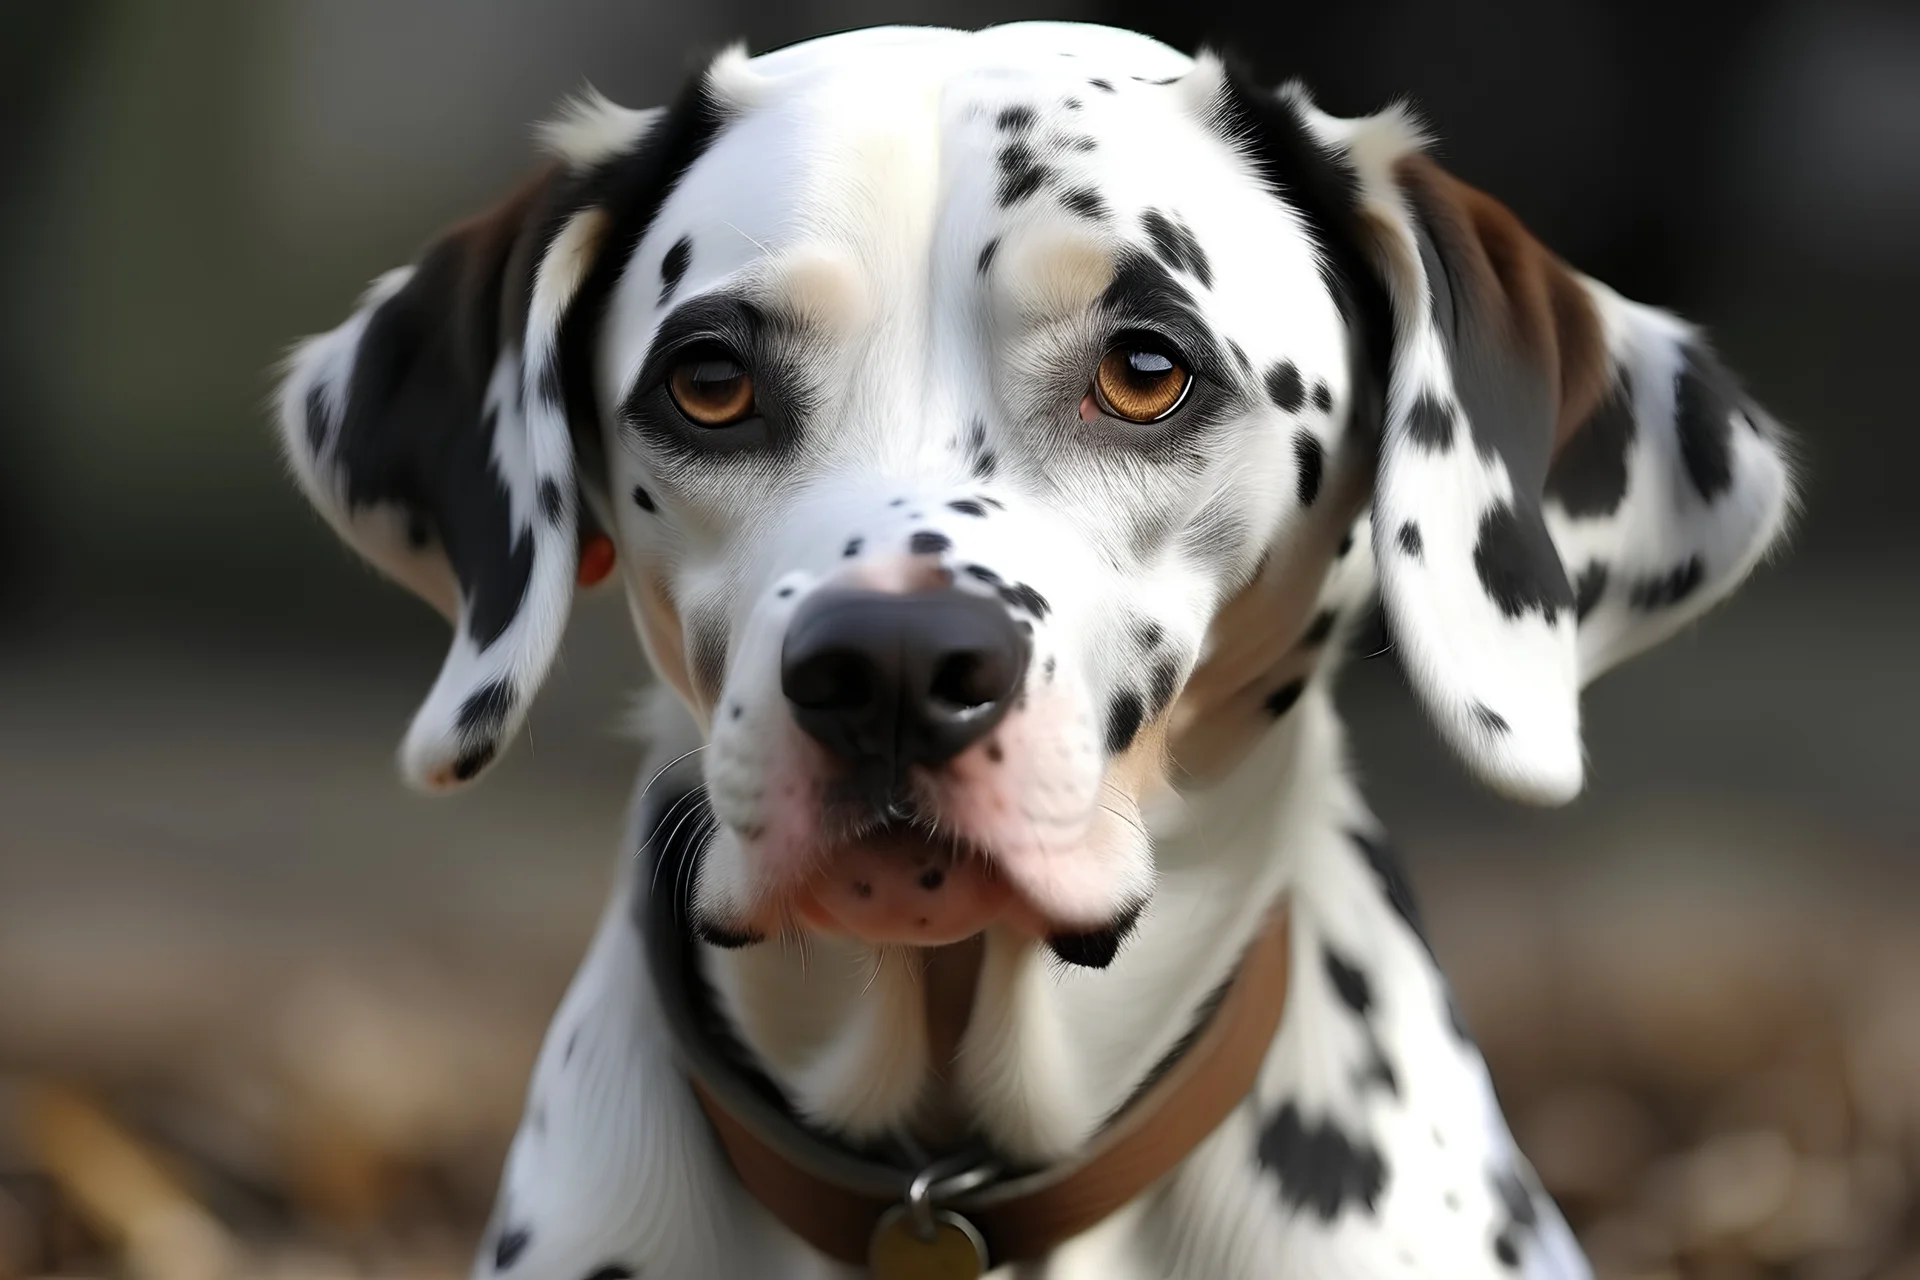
977, 418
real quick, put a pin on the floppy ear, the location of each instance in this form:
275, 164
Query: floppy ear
1564, 477
429, 430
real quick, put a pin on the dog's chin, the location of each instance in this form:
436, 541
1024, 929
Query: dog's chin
898, 886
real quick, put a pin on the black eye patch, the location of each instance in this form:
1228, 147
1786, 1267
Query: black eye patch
768, 346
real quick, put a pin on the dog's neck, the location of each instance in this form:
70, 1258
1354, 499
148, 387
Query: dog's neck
994, 1038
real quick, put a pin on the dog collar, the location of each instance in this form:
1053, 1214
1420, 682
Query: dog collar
956, 1216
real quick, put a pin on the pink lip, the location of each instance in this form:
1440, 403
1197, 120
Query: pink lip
898, 888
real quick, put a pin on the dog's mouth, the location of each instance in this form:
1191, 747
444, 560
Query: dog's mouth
900, 884
904, 882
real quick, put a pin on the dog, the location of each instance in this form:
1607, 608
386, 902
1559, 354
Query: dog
999, 437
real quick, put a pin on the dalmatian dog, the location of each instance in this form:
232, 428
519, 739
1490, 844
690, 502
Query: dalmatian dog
998, 437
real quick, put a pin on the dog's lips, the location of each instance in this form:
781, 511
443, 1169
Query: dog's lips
899, 887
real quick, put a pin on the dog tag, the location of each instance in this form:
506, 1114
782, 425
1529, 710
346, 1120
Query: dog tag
954, 1250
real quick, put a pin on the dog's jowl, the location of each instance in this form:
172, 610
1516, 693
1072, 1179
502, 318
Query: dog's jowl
1000, 435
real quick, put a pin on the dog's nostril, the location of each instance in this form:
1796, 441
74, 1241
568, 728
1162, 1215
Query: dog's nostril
830, 681
966, 680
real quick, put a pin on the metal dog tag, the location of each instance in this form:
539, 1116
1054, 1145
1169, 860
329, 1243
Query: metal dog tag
950, 1250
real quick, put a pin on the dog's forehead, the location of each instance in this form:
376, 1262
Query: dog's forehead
873, 177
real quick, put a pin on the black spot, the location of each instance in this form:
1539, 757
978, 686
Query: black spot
509, 1245
1587, 590
995, 754
985, 465
1086, 202
1311, 455
674, 266
1322, 397
993, 502
317, 418
1015, 119
611, 1271
929, 542
1489, 719
784, 592
1393, 880
1072, 104
1103, 86
983, 573
1319, 629
642, 499
932, 878
573, 1042
1123, 721
1022, 596
735, 711
419, 533
1430, 424
1149, 634
1096, 948
1518, 566
1589, 476
1670, 588
1378, 1070
1346, 545
1410, 540
852, 548
987, 251
1161, 685
1347, 981
475, 758
553, 500
1175, 245
1021, 174
1079, 142
1522, 1216
1319, 1167
1281, 700
968, 507
1285, 387
1703, 400
1048, 669
486, 708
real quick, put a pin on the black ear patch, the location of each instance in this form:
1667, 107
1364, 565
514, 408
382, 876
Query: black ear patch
1704, 398
1589, 477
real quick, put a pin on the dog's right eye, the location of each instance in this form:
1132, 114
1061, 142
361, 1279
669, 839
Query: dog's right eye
711, 389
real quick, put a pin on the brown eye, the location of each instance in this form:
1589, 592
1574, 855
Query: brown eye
712, 390
1140, 383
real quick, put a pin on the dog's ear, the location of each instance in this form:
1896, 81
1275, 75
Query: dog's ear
430, 431
1564, 477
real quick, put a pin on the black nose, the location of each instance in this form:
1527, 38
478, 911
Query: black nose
885, 681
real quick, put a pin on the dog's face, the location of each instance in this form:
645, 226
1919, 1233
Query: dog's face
977, 419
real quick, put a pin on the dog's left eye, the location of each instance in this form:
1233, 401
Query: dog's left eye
712, 389
1138, 382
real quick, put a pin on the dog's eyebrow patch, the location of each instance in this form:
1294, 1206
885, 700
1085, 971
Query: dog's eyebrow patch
1056, 274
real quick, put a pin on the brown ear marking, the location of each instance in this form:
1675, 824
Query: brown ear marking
1516, 284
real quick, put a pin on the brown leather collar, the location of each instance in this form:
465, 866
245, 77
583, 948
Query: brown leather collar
1022, 1218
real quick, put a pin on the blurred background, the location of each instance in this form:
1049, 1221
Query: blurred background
258, 1001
